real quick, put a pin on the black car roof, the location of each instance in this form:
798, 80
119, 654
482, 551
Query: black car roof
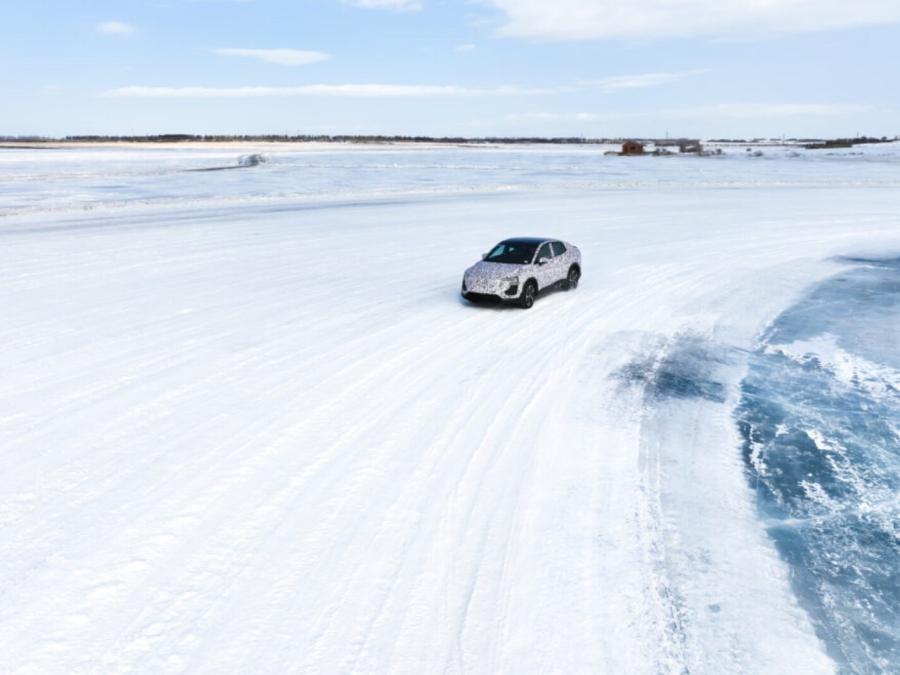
526, 240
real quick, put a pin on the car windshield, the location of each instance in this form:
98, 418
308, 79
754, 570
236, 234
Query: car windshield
514, 252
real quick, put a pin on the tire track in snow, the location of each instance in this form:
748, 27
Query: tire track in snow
386, 414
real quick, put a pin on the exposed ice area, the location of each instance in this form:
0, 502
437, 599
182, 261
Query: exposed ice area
819, 419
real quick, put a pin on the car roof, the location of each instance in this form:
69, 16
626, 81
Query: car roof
526, 240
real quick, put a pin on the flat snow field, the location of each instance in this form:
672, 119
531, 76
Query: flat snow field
260, 432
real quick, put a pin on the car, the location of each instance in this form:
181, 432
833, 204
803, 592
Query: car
516, 270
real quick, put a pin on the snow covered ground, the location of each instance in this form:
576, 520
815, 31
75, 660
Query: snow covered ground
248, 425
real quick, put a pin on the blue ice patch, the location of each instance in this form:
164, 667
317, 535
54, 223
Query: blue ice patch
684, 368
820, 422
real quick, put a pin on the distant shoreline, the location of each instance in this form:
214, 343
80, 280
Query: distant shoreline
265, 144
43, 143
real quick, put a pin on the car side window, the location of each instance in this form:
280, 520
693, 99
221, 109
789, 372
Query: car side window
499, 250
544, 252
558, 248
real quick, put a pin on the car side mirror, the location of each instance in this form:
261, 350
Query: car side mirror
484, 256
543, 261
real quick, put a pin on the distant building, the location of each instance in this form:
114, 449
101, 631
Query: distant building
632, 148
693, 147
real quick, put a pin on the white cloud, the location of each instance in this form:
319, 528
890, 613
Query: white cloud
346, 90
552, 117
119, 28
608, 84
464, 48
641, 81
393, 5
769, 110
591, 19
720, 111
283, 57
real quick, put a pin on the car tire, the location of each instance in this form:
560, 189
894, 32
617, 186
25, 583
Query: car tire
572, 278
529, 291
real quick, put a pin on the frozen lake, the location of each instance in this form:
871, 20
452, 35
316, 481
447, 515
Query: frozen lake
248, 425
95, 177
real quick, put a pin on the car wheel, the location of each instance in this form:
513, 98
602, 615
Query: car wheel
528, 294
572, 279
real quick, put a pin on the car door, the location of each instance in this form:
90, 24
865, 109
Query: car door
544, 272
560, 261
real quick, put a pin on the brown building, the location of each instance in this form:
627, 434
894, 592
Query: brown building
632, 148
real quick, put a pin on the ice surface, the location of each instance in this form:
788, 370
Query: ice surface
94, 178
248, 425
819, 418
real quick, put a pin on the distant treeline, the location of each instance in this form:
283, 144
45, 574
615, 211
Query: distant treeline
304, 138
307, 138
844, 142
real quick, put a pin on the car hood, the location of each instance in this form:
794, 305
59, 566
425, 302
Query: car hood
490, 270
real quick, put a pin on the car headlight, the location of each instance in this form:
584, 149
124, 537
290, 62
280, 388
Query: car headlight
510, 281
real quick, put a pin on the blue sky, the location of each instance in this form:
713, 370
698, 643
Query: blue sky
452, 67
